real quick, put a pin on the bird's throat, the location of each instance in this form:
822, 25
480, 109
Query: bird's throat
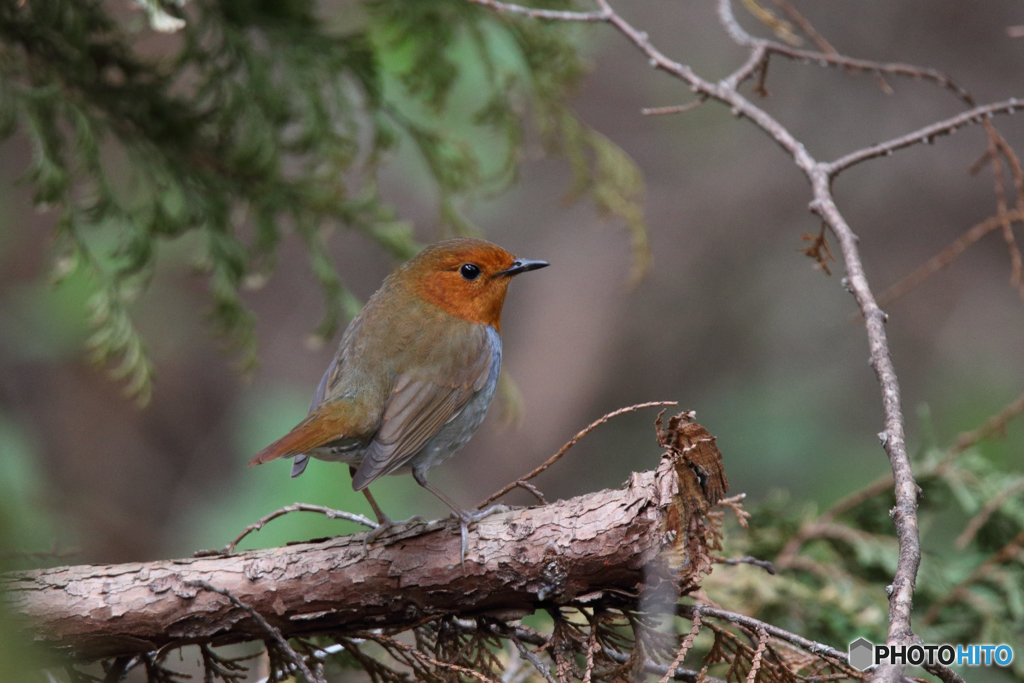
481, 304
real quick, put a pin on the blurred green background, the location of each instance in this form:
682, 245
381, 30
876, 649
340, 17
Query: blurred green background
732, 322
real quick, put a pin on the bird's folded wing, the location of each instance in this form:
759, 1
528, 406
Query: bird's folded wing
417, 409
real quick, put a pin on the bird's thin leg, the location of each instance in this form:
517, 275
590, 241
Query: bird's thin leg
381, 517
384, 522
465, 517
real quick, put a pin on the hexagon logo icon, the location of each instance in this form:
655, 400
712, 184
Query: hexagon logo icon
860, 654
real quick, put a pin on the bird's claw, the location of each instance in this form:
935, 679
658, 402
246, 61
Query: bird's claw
470, 516
467, 517
385, 525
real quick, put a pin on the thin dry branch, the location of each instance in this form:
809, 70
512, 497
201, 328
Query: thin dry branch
944, 673
805, 27
828, 57
996, 148
819, 41
674, 109
762, 50
521, 482
733, 561
992, 426
947, 255
781, 28
294, 507
755, 625
925, 135
983, 570
979, 520
548, 14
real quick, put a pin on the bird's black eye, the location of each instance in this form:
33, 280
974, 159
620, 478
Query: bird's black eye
470, 271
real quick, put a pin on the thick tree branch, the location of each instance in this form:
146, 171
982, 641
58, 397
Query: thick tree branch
616, 541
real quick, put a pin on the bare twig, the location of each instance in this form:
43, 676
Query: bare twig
833, 59
978, 521
994, 425
947, 255
819, 41
674, 109
806, 27
757, 63
294, 507
959, 592
892, 437
533, 13
779, 27
925, 135
274, 633
572, 442
53, 554
787, 556
756, 625
996, 147
945, 674
763, 564
534, 490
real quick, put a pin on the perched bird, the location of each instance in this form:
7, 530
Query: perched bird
415, 371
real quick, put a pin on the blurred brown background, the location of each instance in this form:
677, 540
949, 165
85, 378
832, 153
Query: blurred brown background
733, 322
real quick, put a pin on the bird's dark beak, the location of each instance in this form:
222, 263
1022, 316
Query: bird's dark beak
521, 265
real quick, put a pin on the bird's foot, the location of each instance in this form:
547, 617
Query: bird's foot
467, 517
387, 524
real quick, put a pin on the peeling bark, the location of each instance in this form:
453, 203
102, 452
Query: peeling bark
622, 541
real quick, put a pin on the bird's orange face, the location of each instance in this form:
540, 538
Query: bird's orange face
467, 278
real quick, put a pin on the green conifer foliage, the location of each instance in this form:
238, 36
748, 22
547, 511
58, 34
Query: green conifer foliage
253, 118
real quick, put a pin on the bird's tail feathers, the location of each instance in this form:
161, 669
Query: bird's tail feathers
316, 430
299, 465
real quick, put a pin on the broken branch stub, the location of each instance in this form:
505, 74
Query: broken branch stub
613, 543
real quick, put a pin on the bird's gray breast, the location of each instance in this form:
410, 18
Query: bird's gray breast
449, 439
457, 431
